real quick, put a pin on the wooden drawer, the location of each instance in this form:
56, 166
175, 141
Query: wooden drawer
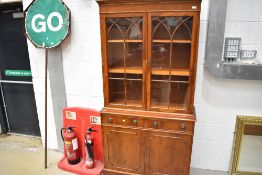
176, 125
124, 121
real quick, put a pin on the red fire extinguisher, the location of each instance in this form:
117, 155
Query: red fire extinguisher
89, 142
71, 145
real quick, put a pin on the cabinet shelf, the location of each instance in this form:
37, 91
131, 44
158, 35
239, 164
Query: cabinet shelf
129, 70
172, 106
134, 70
122, 102
177, 72
173, 41
126, 41
170, 81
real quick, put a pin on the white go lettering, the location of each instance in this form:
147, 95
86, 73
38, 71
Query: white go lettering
42, 24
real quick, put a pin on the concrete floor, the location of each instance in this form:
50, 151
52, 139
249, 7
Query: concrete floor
20, 155
25, 156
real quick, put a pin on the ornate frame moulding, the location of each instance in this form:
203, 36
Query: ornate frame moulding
141, 1
241, 121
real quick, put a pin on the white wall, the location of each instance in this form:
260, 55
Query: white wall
82, 56
217, 101
81, 62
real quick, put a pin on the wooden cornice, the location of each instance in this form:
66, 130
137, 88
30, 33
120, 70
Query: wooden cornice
141, 1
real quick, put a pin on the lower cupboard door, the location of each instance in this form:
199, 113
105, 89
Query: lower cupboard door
123, 149
168, 154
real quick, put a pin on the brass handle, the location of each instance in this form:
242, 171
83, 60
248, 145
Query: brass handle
183, 126
155, 124
135, 122
110, 120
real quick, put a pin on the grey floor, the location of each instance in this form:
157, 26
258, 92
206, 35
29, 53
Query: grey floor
16, 148
196, 171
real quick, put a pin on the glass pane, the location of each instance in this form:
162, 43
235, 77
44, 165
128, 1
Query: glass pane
133, 54
133, 89
159, 28
159, 91
184, 30
116, 88
125, 89
160, 55
115, 53
181, 56
179, 93
172, 27
169, 91
136, 29
124, 28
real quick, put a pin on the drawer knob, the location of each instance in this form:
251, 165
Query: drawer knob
135, 122
110, 120
183, 126
155, 124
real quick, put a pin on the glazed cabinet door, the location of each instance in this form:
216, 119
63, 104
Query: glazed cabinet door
171, 54
123, 51
168, 153
123, 149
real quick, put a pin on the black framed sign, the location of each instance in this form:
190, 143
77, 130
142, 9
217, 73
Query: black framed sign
232, 49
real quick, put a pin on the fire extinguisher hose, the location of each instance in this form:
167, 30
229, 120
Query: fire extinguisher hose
61, 132
89, 150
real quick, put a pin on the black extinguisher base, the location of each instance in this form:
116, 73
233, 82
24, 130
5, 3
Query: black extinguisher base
74, 162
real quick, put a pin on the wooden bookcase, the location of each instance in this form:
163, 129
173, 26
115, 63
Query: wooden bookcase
149, 52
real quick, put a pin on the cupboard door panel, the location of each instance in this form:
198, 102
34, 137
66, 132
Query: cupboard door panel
168, 154
123, 149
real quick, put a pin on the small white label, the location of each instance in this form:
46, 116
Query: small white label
70, 115
18, 15
194, 7
95, 120
75, 144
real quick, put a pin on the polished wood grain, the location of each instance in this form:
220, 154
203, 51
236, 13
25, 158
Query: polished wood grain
171, 41
164, 145
127, 41
124, 149
179, 72
137, 1
150, 7
151, 135
129, 70
149, 114
168, 153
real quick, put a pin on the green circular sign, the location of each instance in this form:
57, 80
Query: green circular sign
47, 22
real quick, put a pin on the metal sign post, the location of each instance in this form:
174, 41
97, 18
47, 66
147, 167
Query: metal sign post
46, 64
47, 24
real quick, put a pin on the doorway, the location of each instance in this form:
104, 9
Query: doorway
17, 100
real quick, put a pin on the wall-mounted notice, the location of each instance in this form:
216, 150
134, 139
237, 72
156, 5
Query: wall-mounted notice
232, 49
248, 54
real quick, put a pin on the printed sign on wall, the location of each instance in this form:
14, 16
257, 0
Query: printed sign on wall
232, 49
